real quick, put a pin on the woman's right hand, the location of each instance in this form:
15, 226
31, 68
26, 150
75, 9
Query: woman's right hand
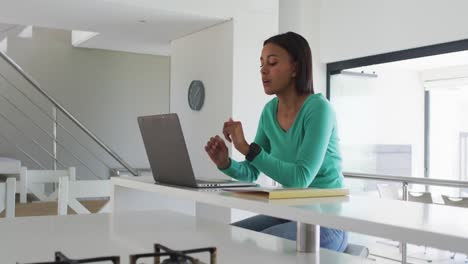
218, 152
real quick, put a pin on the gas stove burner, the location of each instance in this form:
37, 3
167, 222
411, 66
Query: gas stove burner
60, 258
175, 256
172, 257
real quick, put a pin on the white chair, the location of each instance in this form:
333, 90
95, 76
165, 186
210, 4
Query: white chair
455, 201
34, 181
420, 197
69, 191
10, 167
388, 191
7, 197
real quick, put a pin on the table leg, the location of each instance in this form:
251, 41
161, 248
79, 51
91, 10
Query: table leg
403, 250
308, 238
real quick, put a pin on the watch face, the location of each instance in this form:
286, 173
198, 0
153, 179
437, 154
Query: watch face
196, 95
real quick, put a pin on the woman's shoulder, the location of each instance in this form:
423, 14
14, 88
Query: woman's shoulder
317, 101
270, 106
272, 102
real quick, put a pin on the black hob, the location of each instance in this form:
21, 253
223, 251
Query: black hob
161, 255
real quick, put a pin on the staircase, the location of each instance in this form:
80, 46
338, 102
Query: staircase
40, 132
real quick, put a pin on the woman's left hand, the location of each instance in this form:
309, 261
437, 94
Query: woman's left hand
234, 133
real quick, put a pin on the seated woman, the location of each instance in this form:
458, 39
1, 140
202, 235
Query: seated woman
296, 142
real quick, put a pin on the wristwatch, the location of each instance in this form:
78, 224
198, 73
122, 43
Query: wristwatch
254, 150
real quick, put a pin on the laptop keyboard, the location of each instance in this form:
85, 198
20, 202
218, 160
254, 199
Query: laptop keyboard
213, 181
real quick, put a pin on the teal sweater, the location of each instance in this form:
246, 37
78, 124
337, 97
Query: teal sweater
306, 155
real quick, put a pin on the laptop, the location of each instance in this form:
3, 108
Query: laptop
168, 156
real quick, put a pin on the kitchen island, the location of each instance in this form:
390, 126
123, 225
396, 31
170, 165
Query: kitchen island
35, 239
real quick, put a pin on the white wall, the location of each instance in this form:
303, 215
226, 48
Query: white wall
249, 97
352, 29
303, 17
105, 90
226, 58
206, 56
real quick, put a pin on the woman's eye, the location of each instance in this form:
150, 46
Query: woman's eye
269, 64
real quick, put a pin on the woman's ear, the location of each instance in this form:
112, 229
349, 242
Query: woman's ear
293, 74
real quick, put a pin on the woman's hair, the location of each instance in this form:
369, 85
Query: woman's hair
299, 50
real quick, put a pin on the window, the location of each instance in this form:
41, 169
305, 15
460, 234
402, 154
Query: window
404, 113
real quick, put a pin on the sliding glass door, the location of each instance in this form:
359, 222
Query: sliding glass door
380, 112
448, 129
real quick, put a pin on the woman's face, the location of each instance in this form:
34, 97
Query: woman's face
277, 69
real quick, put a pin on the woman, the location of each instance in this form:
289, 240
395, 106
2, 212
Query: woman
296, 142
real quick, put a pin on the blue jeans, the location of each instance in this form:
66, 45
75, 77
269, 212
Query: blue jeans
332, 239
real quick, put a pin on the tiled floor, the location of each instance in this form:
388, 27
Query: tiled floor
385, 251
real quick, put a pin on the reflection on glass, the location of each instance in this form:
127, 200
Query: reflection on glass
380, 120
381, 114
448, 134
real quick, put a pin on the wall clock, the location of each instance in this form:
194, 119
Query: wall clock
196, 95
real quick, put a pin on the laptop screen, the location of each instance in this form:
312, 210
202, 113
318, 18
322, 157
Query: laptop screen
166, 149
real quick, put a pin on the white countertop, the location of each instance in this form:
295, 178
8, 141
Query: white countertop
438, 226
29, 239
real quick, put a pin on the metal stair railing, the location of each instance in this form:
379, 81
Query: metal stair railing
52, 137
58, 106
23, 151
53, 156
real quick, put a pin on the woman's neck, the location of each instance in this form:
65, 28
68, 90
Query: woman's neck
290, 103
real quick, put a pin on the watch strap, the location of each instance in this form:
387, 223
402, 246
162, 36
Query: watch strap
254, 150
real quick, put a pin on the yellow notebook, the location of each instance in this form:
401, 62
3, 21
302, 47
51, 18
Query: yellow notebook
288, 193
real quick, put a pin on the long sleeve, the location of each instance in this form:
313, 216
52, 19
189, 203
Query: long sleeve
245, 171
306, 155
318, 128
